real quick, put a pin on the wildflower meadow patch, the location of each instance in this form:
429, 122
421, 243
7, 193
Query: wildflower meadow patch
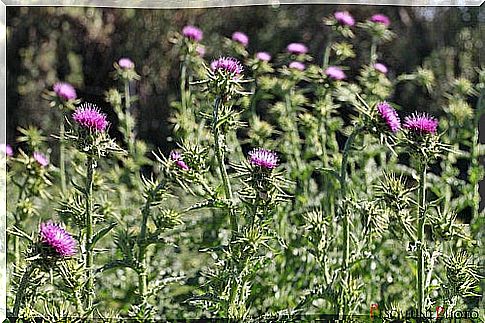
294, 184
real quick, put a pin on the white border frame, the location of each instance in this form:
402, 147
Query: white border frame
153, 4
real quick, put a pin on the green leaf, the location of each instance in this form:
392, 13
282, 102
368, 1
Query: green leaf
100, 234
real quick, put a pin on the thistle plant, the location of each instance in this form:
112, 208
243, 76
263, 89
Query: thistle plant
89, 135
52, 246
299, 198
30, 173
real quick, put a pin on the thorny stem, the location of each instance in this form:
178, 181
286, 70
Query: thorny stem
421, 222
328, 49
16, 240
24, 282
142, 273
129, 125
88, 292
62, 161
219, 149
475, 155
373, 51
345, 215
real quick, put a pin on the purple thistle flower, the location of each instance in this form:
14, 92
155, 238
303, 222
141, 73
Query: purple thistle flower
381, 19
297, 48
65, 91
58, 239
263, 56
200, 50
421, 123
381, 68
88, 116
192, 32
240, 38
344, 18
227, 64
126, 63
263, 158
6, 149
297, 66
389, 115
335, 73
41, 159
177, 158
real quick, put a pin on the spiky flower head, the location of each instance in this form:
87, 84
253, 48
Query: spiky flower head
263, 56
240, 38
335, 73
380, 68
297, 66
390, 116
228, 65
193, 33
344, 18
263, 158
381, 19
421, 123
297, 48
6, 149
177, 158
55, 237
64, 91
89, 116
41, 159
126, 63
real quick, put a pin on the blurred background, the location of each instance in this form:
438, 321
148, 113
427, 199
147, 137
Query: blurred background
79, 45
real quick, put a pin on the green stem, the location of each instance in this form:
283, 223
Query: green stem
142, 272
16, 240
62, 161
373, 51
88, 292
129, 120
328, 49
23, 285
421, 222
345, 216
219, 149
475, 156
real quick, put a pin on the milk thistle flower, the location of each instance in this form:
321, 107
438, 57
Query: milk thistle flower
88, 116
126, 63
6, 149
421, 123
381, 19
263, 56
297, 66
344, 18
335, 73
263, 158
41, 159
297, 48
240, 38
389, 115
177, 158
193, 33
380, 68
227, 64
64, 91
55, 237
